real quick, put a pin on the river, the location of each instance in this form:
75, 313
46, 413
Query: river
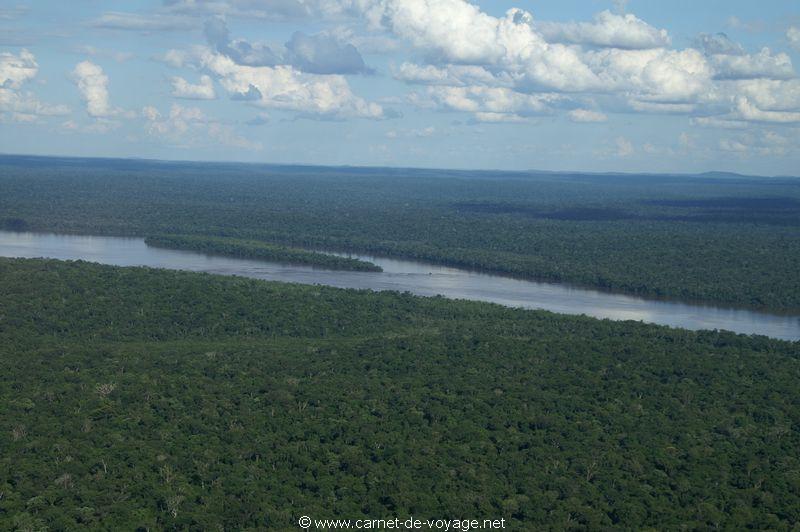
415, 277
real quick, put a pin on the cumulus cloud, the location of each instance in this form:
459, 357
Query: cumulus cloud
767, 100
26, 104
500, 118
284, 87
464, 55
748, 110
202, 91
764, 143
187, 58
17, 69
459, 33
476, 99
717, 44
241, 51
324, 54
190, 127
761, 65
15, 103
93, 85
619, 56
657, 75
455, 75
607, 30
730, 60
586, 115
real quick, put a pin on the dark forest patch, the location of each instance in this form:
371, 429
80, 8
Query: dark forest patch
771, 211
568, 213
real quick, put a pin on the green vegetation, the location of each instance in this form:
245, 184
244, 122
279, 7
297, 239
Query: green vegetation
732, 240
132, 397
250, 249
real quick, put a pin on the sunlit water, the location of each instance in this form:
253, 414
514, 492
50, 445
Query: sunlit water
415, 277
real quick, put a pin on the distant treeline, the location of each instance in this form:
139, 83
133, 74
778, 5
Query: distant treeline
250, 249
730, 240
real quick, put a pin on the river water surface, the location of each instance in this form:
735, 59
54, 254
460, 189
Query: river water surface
415, 277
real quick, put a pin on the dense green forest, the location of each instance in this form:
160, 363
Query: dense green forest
720, 238
145, 399
250, 249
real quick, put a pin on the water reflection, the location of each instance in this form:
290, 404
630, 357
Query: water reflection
402, 275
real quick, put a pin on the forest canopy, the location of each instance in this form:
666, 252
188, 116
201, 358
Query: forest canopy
133, 398
250, 249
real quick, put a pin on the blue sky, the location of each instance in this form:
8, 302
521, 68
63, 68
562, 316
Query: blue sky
590, 85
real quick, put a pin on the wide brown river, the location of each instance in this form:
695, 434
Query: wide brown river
415, 277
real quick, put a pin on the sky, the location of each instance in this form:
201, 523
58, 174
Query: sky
637, 86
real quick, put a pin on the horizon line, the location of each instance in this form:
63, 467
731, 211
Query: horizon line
414, 168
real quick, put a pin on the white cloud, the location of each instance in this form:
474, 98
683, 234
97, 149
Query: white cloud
624, 147
661, 107
93, 85
627, 61
190, 127
478, 98
17, 69
459, 33
22, 106
500, 118
26, 103
767, 94
618, 59
763, 143
793, 36
174, 58
733, 146
283, 87
607, 30
455, 75
586, 115
718, 44
748, 110
457, 30
497, 68
323, 54
202, 91
366, 43
760, 65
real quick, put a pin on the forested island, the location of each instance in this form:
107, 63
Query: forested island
724, 239
251, 249
136, 399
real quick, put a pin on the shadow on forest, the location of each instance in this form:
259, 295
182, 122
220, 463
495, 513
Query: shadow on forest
774, 211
